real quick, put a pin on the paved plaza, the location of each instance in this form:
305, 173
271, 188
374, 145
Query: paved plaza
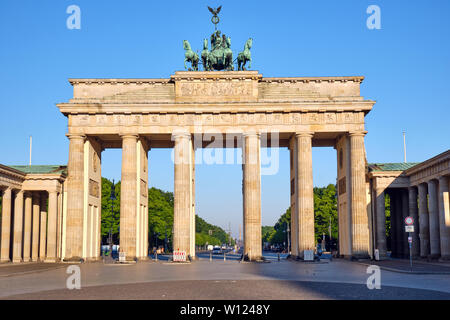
218, 279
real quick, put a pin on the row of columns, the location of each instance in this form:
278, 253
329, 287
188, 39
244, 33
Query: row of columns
28, 233
428, 205
184, 208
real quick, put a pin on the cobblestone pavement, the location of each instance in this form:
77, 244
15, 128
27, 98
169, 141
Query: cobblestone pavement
218, 279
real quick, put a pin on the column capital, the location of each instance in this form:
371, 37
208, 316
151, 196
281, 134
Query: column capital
251, 134
357, 133
129, 135
76, 136
180, 135
443, 179
306, 134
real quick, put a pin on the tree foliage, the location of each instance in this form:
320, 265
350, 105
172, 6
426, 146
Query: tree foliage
160, 219
325, 210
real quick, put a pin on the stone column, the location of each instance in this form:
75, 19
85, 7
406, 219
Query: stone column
444, 218
36, 225
52, 226
293, 195
43, 235
6, 225
413, 212
75, 199
252, 196
128, 197
182, 193
424, 222
18, 227
305, 195
433, 209
381, 222
27, 227
405, 212
360, 223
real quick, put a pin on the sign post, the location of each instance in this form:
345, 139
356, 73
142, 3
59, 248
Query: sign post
409, 227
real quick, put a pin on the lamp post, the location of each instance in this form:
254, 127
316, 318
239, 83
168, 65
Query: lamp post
112, 197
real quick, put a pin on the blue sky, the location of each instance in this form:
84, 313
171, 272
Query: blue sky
406, 65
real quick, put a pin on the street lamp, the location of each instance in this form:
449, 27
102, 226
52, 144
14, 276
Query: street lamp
112, 197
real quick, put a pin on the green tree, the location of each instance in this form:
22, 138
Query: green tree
266, 233
110, 219
325, 208
280, 236
160, 214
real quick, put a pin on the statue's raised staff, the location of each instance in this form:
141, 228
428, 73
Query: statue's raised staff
245, 56
190, 56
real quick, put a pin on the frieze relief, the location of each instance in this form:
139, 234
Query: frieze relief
219, 118
215, 88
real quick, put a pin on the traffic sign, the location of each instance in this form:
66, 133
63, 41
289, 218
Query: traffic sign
409, 228
410, 239
409, 221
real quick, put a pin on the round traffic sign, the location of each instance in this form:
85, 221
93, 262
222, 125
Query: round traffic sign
409, 221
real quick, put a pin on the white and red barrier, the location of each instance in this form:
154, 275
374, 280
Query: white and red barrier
179, 256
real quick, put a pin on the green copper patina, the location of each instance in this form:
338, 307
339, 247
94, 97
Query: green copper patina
221, 56
190, 56
245, 56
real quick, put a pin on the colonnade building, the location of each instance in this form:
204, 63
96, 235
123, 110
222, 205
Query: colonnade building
244, 110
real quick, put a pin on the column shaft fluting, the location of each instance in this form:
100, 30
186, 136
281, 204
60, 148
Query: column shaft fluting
128, 197
360, 223
43, 230
52, 226
27, 227
305, 194
444, 217
413, 212
18, 227
36, 225
182, 219
6, 225
424, 222
75, 199
433, 209
252, 196
381, 222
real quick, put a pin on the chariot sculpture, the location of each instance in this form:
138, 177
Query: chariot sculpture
220, 57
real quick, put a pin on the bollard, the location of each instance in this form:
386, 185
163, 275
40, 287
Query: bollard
156, 256
210, 256
224, 256
278, 256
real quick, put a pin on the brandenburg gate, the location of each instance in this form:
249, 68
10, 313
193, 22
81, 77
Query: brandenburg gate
238, 106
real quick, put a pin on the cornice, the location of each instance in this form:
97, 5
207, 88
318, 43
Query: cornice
357, 79
75, 81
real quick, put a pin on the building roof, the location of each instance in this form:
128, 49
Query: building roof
399, 166
41, 169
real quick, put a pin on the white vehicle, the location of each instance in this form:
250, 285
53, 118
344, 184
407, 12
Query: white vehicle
210, 247
216, 250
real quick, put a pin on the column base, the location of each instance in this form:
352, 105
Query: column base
434, 257
143, 258
17, 260
73, 260
26, 260
444, 258
50, 260
254, 259
5, 260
